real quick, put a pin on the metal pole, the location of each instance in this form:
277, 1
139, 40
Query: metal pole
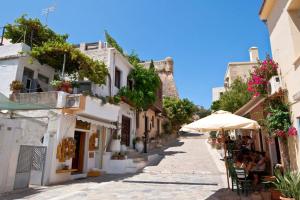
225, 158
64, 66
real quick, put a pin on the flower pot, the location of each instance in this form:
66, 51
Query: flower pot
123, 148
275, 194
266, 195
139, 146
115, 145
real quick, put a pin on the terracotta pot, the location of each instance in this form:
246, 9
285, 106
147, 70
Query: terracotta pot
275, 194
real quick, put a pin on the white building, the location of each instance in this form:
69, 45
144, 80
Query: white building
217, 92
119, 68
15, 64
282, 19
76, 130
237, 70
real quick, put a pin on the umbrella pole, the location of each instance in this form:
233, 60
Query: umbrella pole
225, 158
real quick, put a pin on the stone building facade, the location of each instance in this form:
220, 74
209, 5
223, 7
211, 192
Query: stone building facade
165, 68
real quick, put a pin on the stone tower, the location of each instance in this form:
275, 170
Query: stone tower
165, 69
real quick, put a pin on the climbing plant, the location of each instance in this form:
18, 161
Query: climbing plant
113, 43
31, 32
146, 82
50, 48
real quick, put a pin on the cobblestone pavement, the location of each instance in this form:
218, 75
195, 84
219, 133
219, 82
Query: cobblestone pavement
189, 169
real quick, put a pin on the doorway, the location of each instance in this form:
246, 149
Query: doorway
125, 134
78, 160
30, 166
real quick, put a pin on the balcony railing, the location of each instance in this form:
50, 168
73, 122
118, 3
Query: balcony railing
53, 99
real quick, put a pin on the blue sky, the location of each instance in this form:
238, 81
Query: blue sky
201, 36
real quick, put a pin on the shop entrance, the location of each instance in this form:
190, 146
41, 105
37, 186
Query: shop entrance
78, 160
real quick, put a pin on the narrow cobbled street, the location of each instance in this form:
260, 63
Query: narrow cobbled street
189, 169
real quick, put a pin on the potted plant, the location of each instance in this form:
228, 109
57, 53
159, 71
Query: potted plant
139, 146
16, 86
288, 184
62, 85
116, 142
279, 125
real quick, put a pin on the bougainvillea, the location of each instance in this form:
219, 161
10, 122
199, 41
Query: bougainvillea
259, 78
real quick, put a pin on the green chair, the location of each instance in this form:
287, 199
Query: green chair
243, 181
233, 176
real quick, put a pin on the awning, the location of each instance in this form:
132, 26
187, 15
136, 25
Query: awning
96, 122
6, 104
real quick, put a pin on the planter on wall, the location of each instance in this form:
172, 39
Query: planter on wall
123, 148
139, 146
115, 145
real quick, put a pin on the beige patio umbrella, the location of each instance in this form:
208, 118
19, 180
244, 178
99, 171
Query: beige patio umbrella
222, 121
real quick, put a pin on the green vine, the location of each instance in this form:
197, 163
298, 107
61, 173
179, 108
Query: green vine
146, 82
50, 48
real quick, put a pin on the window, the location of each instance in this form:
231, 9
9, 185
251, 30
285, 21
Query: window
118, 78
27, 79
137, 119
43, 79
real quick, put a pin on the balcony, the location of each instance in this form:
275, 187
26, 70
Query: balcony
53, 99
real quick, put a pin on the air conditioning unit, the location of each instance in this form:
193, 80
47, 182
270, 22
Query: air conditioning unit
65, 100
274, 85
72, 101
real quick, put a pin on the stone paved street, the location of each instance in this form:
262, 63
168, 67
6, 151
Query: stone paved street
190, 169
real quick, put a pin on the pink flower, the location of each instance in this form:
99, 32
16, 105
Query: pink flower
292, 131
280, 133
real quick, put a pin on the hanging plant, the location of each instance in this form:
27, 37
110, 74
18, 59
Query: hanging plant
259, 78
279, 122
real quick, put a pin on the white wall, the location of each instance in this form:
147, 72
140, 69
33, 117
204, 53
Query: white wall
216, 93
60, 126
13, 133
285, 51
8, 73
12, 66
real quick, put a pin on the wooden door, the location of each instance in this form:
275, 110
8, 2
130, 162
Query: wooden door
77, 161
125, 134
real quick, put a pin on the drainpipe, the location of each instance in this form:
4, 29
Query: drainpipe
109, 84
146, 133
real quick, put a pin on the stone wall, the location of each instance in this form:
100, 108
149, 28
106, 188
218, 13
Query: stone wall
165, 68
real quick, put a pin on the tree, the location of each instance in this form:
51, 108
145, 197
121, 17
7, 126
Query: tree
202, 112
178, 111
145, 85
235, 97
215, 106
133, 58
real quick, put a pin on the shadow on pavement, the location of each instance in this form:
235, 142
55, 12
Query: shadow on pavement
162, 152
225, 194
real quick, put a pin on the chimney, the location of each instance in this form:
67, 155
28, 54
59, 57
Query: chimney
253, 51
